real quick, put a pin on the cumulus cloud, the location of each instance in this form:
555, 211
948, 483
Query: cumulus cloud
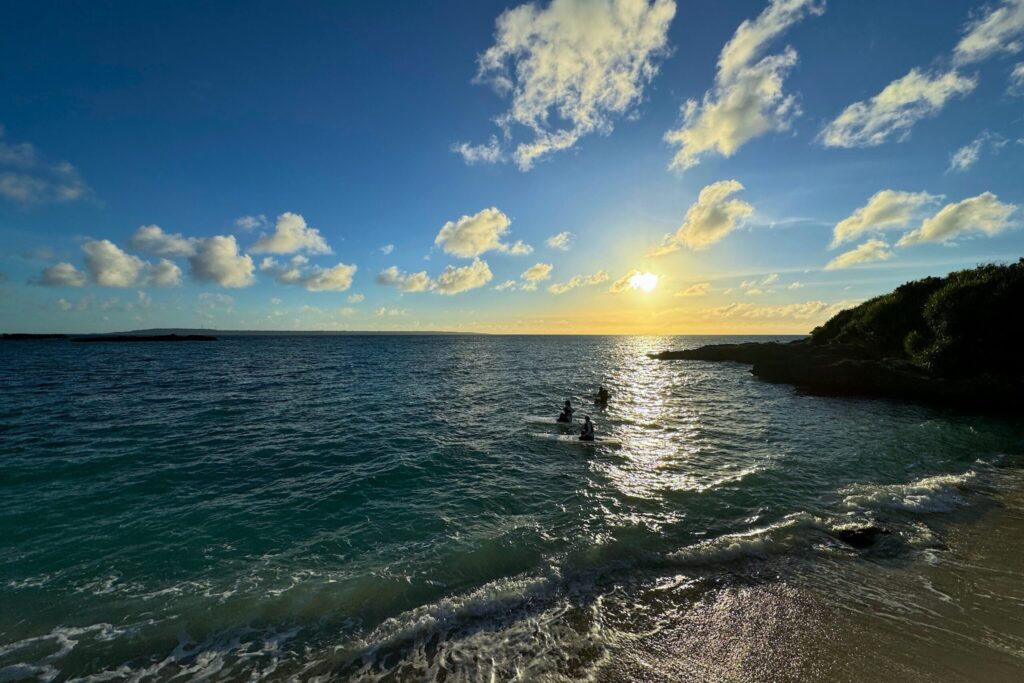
151, 239
218, 260
335, 279
885, 210
285, 273
968, 155
454, 280
699, 289
870, 251
709, 219
471, 236
560, 241
387, 249
747, 99
894, 111
250, 223
586, 61
61, 275
109, 266
995, 31
355, 298
291, 234
385, 311
314, 279
27, 178
983, 213
506, 285
579, 281
536, 274
163, 273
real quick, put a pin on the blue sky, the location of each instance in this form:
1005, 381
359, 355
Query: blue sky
212, 120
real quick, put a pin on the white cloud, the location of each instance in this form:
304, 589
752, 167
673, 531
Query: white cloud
754, 291
315, 279
709, 219
291, 234
894, 111
406, 282
489, 153
806, 311
217, 260
795, 285
64, 305
870, 251
995, 31
969, 154
983, 213
887, 209
1017, 80
699, 289
747, 99
560, 241
61, 275
770, 279
387, 249
623, 283
164, 273
579, 281
274, 301
250, 223
151, 239
284, 273
536, 274
336, 279
385, 311
355, 298
454, 280
471, 236
34, 180
109, 266
586, 61
506, 285
451, 281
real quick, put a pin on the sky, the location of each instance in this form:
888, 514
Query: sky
562, 166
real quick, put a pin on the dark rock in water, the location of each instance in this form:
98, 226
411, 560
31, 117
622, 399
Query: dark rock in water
859, 537
25, 335
146, 338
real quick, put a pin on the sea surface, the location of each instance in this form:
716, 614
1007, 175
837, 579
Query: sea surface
392, 508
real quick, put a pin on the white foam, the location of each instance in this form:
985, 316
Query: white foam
941, 493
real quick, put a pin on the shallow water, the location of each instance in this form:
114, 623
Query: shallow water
383, 508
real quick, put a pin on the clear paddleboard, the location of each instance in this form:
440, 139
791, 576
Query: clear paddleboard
574, 438
549, 420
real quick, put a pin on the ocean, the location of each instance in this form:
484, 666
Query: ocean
390, 508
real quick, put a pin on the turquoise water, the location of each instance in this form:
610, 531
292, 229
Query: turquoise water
372, 506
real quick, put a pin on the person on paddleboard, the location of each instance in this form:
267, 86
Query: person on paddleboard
587, 433
566, 414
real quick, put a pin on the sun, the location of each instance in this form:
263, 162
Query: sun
645, 282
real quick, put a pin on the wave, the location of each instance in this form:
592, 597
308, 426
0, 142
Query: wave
940, 493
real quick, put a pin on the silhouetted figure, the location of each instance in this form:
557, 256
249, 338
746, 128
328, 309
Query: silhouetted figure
566, 414
602, 397
587, 433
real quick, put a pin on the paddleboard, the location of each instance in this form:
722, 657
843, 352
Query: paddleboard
549, 420
574, 438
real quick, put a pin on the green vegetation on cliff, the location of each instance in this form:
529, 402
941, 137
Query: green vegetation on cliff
965, 324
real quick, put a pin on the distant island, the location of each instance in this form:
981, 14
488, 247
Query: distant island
188, 334
954, 341
145, 338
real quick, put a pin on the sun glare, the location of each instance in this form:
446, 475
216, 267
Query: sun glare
645, 282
